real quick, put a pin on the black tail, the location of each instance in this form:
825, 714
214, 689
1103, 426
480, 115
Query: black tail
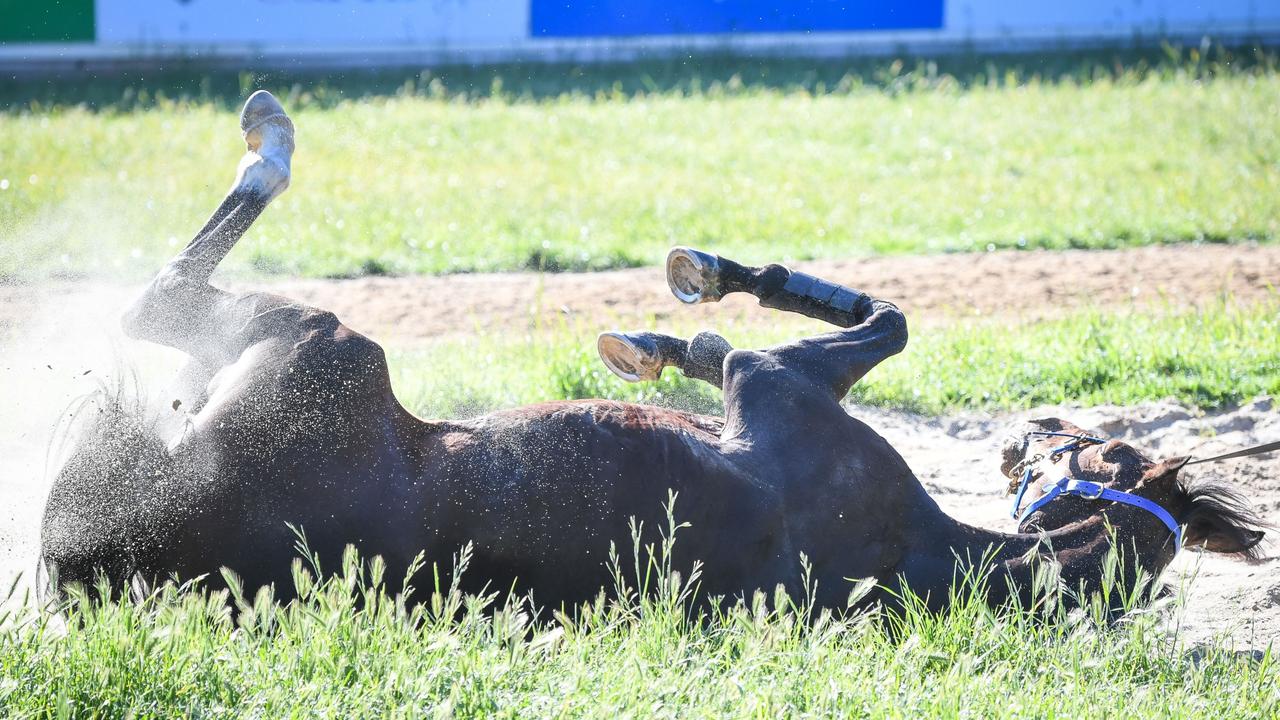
99, 518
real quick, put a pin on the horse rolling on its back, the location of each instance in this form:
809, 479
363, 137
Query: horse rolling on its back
291, 420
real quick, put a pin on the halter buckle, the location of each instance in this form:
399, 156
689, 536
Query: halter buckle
1086, 489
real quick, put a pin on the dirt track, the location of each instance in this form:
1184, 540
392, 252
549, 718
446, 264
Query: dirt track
933, 288
52, 335
928, 288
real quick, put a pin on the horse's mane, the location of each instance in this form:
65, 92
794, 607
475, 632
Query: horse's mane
1211, 500
117, 402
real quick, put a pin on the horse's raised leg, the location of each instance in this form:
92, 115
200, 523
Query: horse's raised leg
698, 277
179, 308
640, 356
876, 330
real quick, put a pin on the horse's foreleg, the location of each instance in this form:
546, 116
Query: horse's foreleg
877, 328
642, 355
179, 308
838, 360
698, 277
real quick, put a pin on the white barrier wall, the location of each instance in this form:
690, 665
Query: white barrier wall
393, 31
995, 18
318, 23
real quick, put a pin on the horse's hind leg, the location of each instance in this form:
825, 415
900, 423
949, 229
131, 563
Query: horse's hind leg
698, 277
876, 330
179, 308
640, 356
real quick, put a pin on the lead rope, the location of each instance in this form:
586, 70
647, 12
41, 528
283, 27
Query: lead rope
1255, 450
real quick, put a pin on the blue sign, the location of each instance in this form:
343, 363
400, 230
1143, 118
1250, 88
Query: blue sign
615, 18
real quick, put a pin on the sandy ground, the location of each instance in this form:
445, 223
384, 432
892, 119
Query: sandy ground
930, 289
56, 340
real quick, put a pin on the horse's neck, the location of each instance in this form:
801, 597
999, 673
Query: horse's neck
1009, 562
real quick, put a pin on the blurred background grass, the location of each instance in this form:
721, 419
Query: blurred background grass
553, 168
446, 174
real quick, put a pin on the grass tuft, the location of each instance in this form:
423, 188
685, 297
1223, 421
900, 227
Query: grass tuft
359, 644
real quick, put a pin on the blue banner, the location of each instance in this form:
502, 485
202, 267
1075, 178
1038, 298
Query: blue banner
614, 18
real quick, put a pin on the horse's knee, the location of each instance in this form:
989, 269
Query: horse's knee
892, 324
740, 364
329, 349
131, 322
362, 356
705, 357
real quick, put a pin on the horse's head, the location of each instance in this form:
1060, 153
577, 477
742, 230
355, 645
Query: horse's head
1215, 517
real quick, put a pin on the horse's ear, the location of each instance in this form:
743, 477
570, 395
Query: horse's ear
1165, 471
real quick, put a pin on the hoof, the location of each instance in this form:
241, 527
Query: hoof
259, 108
693, 276
631, 357
268, 132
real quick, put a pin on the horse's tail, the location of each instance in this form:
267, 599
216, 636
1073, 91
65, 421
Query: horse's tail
109, 458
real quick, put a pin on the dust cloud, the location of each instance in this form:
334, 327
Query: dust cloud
64, 346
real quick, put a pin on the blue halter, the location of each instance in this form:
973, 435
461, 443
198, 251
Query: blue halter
1095, 491
1086, 489
1076, 442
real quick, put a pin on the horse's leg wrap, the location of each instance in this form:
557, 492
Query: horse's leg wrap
819, 299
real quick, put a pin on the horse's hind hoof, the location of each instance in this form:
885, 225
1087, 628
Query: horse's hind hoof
632, 357
268, 133
260, 109
693, 276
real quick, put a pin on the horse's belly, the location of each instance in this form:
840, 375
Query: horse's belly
547, 501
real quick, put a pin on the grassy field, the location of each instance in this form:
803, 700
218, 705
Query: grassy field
425, 181
1220, 354
351, 647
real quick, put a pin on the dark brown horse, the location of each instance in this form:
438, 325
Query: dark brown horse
291, 419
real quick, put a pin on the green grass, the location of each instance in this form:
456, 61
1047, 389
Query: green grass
352, 646
1221, 354
129, 90
422, 181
